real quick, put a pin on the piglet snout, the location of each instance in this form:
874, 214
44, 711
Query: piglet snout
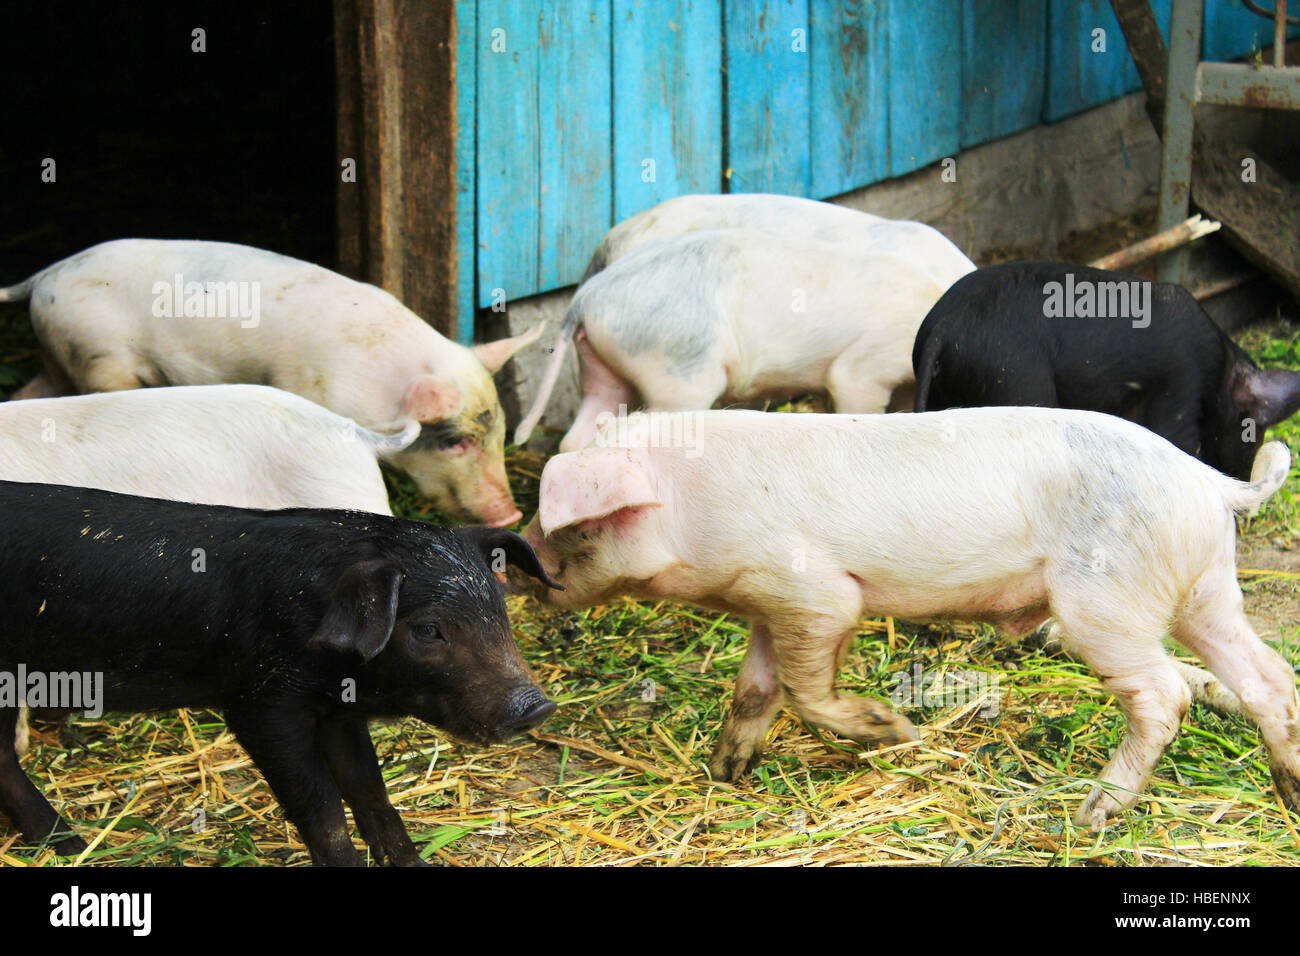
526, 708
505, 521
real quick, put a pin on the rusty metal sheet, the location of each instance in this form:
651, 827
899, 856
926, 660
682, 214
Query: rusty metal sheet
1238, 84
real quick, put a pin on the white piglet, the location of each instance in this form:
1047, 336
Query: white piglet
738, 315
805, 523
789, 217
247, 446
145, 312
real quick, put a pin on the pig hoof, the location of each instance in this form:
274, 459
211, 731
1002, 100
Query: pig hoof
72, 846
1043, 638
1287, 786
1097, 808
885, 726
733, 766
407, 857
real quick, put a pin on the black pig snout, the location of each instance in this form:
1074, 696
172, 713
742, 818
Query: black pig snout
527, 708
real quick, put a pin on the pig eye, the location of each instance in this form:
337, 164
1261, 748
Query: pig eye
428, 634
439, 436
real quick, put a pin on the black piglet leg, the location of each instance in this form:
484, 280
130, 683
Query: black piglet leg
23, 803
350, 754
283, 745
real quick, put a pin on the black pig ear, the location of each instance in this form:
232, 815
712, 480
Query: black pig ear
500, 547
363, 610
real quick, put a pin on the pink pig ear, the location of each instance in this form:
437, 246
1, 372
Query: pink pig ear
595, 483
493, 355
430, 399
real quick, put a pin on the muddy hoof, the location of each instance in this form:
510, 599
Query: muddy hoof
886, 727
1287, 787
1097, 808
733, 765
1045, 638
70, 846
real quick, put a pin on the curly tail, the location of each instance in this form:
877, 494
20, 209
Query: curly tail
567, 328
1272, 465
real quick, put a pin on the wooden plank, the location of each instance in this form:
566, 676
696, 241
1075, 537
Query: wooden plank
667, 101
573, 137
768, 79
397, 222
1147, 48
849, 95
466, 166
1004, 65
1259, 218
924, 82
1079, 78
424, 207
509, 173
350, 207
1231, 31
360, 209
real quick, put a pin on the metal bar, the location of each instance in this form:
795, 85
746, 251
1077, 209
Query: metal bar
1238, 84
1176, 157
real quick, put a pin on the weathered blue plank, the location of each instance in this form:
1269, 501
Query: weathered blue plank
1004, 57
924, 82
574, 114
768, 78
466, 166
850, 94
1079, 77
1231, 31
667, 101
509, 174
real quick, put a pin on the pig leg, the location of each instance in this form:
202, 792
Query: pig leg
809, 648
603, 391
23, 803
1134, 667
1209, 691
350, 754
283, 744
1215, 628
809, 664
1206, 689
857, 385
758, 698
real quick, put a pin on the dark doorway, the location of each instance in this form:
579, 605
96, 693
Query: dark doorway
151, 139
